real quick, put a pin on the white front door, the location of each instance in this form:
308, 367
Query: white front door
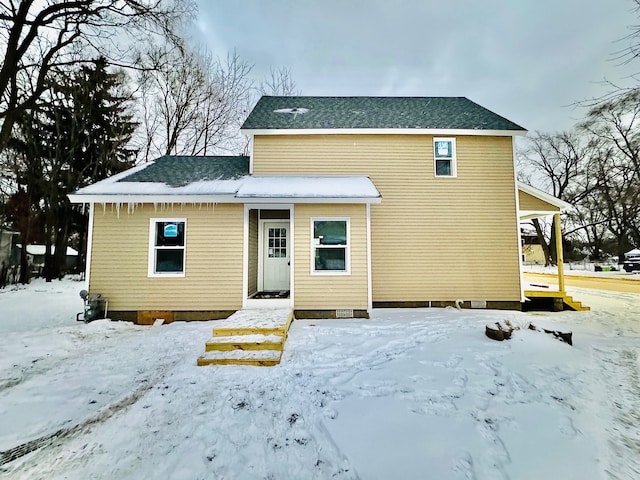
275, 256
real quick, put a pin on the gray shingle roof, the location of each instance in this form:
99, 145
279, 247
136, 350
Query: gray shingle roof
182, 170
374, 112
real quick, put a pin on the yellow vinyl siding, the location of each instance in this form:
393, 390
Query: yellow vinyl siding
213, 269
529, 202
432, 238
328, 292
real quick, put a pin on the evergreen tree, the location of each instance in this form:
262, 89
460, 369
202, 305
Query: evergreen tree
78, 134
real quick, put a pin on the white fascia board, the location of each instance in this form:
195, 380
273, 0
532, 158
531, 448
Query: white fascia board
386, 131
92, 199
298, 200
114, 198
544, 196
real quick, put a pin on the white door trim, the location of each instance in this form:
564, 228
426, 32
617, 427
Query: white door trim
246, 301
261, 245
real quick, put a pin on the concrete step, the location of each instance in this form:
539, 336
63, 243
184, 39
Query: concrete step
245, 342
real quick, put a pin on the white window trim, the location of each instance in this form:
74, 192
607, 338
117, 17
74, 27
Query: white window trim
454, 162
347, 248
152, 249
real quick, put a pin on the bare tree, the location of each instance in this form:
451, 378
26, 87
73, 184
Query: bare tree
560, 160
616, 123
631, 51
191, 104
39, 36
280, 82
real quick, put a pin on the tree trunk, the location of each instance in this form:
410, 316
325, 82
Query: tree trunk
622, 244
48, 270
543, 242
25, 271
61, 243
553, 253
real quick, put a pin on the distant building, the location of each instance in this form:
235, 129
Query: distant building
35, 256
532, 253
7, 241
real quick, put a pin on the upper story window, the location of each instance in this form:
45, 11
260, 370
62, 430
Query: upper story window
330, 246
167, 245
444, 152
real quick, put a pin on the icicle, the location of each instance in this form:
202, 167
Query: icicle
104, 208
155, 207
118, 205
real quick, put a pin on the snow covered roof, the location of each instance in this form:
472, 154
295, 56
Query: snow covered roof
297, 187
221, 179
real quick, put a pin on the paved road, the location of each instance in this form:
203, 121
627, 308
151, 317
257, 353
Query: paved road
600, 283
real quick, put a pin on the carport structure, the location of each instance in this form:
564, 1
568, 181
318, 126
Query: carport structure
534, 203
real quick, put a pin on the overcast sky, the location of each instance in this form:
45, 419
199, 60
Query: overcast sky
527, 60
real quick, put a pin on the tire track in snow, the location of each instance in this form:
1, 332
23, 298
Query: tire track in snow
64, 433
82, 344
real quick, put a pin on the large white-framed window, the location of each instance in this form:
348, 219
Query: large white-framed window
167, 247
330, 246
444, 157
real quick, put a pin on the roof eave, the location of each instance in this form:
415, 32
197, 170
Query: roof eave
151, 198
384, 131
544, 196
309, 200
227, 198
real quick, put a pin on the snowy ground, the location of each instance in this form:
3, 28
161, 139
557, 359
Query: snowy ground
410, 394
584, 269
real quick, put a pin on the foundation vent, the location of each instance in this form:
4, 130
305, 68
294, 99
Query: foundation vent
478, 304
344, 313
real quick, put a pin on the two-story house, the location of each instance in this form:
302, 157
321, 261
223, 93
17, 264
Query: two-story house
345, 204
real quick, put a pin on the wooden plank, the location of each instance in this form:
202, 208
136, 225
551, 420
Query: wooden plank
246, 342
241, 357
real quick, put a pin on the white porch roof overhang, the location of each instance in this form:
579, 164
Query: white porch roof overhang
553, 205
535, 204
275, 189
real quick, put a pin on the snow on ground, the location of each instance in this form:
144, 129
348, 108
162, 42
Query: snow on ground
410, 393
583, 269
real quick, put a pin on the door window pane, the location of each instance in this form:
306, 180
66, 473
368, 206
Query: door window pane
277, 242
